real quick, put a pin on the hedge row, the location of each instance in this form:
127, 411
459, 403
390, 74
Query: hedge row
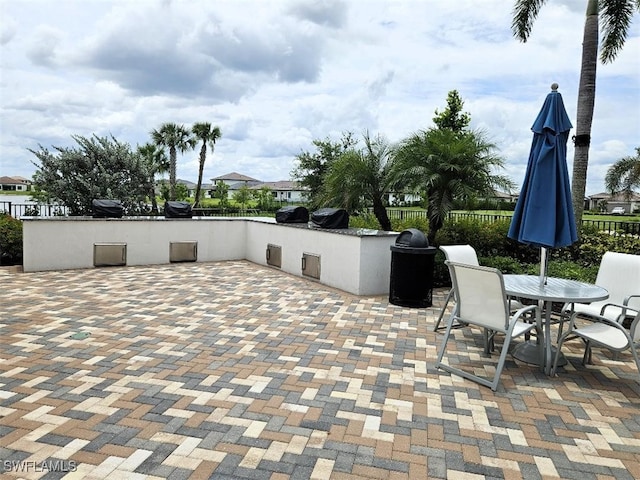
579, 261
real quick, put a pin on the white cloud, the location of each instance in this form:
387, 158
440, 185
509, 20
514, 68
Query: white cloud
277, 75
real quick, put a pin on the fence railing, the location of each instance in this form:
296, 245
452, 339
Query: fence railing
620, 226
18, 210
627, 228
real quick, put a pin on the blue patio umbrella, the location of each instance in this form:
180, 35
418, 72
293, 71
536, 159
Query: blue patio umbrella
543, 216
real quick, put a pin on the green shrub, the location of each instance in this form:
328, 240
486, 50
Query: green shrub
10, 239
568, 269
421, 224
364, 220
506, 265
579, 261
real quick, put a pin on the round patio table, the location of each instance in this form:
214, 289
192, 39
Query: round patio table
553, 290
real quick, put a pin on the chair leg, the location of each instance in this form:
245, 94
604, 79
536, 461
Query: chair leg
500, 366
443, 347
489, 344
444, 309
557, 355
635, 357
560, 325
586, 359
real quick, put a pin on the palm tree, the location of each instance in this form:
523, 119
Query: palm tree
624, 175
208, 135
156, 161
447, 165
359, 178
175, 137
616, 18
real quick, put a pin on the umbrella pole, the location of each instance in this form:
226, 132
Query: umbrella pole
543, 266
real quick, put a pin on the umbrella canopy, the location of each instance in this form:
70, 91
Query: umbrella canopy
544, 212
543, 215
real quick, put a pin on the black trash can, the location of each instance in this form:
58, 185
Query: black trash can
412, 261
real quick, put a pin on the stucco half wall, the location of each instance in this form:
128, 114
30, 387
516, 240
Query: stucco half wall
355, 260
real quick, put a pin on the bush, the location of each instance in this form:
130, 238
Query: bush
579, 261
10, 240
364, 220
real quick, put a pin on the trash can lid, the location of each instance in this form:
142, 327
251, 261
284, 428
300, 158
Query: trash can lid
412, 237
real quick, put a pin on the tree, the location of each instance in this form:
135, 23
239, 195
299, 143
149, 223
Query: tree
452, 116
208, 135
176, 138
156, 161
624, 175
447, 165
264, 198
221, 192
311, 168
98, 167
242, 196
616, 16
359, 178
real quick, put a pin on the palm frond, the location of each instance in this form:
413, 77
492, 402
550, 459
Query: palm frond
615, 17
525, 13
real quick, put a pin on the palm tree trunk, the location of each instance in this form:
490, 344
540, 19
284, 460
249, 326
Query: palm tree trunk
172, 173
381, 214
584, 115
435, 221
203, 157
152, 194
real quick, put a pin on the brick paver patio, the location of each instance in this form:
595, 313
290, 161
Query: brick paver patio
232, 370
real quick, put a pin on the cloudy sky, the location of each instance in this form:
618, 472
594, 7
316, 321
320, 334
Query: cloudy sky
275, 75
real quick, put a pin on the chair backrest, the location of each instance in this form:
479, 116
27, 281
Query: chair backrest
460, 254
619, 273
634, 329
481, 297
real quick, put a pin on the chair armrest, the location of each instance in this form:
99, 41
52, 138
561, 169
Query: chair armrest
626, 300
523, 310
605, 320
624, 307
594, 319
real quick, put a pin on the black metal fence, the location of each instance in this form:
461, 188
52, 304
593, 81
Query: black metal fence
619, 226
18, 210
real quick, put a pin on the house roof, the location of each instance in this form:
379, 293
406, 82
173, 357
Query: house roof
499, 194
282, 185
235, 177
14, 180
618, 197
186, 183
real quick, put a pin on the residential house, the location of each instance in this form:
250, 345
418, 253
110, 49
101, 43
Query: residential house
606, 202
284, 191
15, 184
236, 180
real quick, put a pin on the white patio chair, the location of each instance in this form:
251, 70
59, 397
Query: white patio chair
601, 331
460, 254
466, 254
619, 274
482, 301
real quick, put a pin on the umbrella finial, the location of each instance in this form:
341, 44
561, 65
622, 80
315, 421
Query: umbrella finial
554, 86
